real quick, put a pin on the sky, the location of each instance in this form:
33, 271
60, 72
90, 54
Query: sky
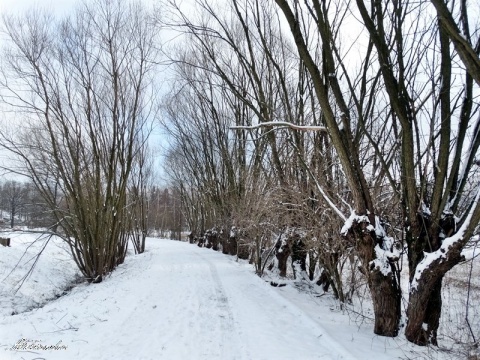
15, 6
58, 6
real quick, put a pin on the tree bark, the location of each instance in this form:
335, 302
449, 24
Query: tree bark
465, 50
282, 252
424, 310
384, 284
386, 296
425, 301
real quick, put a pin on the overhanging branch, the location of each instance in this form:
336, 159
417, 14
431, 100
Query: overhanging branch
283, 124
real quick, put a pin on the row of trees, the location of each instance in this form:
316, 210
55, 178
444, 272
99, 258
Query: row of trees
360, 117
22, 204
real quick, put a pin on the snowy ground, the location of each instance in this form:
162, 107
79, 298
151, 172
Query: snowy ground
177, 301
53, 273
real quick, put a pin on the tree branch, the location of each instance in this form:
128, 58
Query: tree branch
283, 124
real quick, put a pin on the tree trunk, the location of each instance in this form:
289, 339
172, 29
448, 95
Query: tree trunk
312, 264
243, 249
299, 253
232, 245
12, 214
282, 254
383, 282
386, 297
425, 303
424, 309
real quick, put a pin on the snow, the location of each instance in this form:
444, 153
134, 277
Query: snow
471, 251
448, 242
426, 210
353, 218
383, 255
54, 272
179, 301
281, 123
379, 230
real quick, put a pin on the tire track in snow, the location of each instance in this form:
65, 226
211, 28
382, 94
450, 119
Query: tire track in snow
274, 319
228, 329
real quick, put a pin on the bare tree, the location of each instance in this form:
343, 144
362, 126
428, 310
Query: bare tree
80, 88
206, 161
14, 198
434, 196
138, 198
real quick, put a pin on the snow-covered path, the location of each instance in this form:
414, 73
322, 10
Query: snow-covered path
176, 301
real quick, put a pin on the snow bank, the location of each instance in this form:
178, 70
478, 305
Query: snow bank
23, 288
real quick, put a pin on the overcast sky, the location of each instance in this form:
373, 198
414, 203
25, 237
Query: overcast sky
16, 6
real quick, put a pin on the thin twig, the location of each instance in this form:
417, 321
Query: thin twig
468, 296
37, 257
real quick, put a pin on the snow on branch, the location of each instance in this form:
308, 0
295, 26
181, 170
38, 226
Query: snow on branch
282, 123
353, 218
442, 253
386, 253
